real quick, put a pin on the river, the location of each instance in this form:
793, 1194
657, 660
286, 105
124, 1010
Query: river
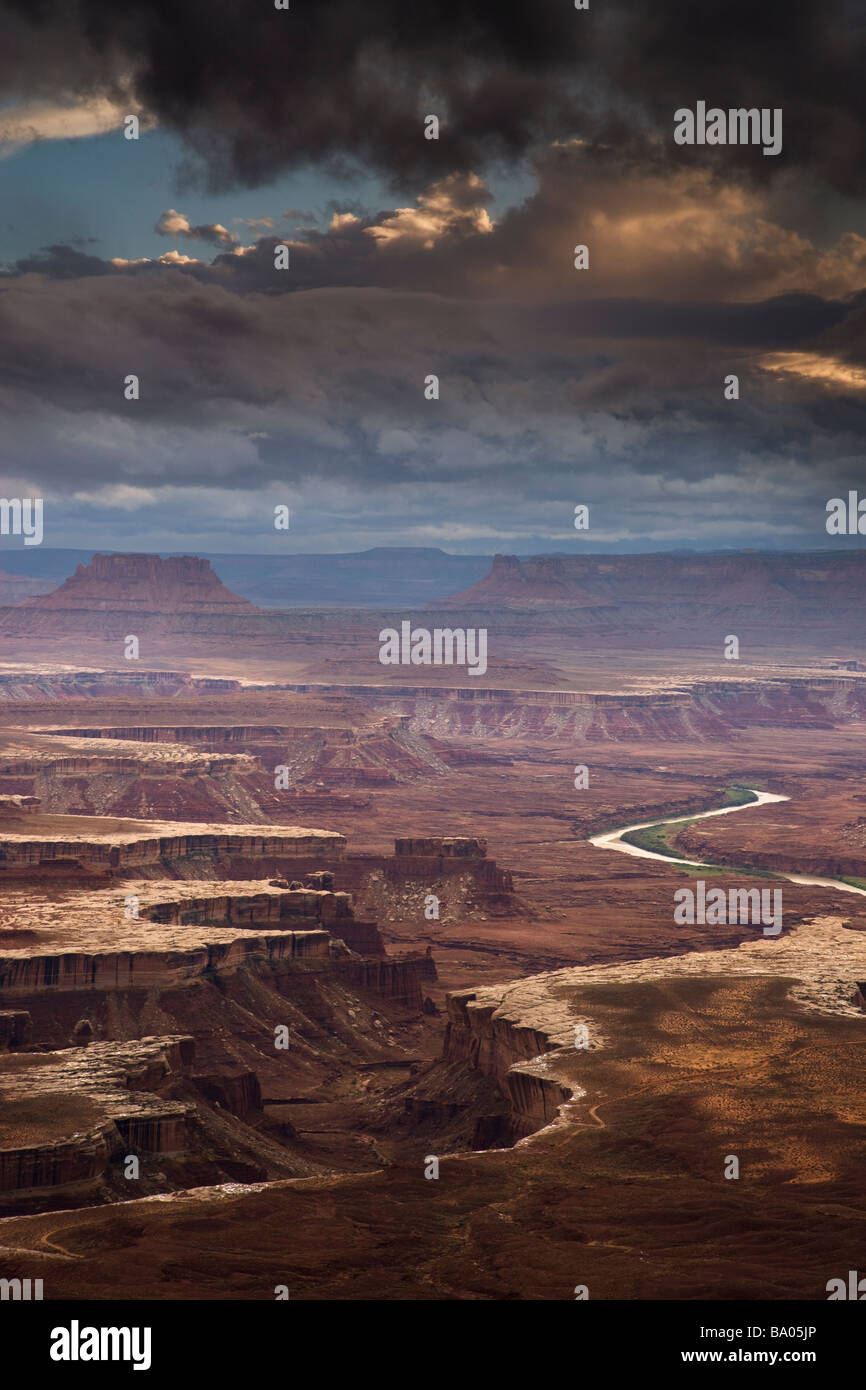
612, 839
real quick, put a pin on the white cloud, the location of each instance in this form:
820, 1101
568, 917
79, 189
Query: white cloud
455, 204
43, 120
119, 495
167, 258
174, 223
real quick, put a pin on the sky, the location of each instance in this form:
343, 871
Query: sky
308, 387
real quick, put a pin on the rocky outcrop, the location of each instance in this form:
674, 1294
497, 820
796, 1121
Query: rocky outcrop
48, 683
511, 1053
115, 1080
423, 962
25, 973
80, 1158
442, 847
489, 1040
304, 908
392, 979
16, 1029
321, 879
135, 847
238, 1092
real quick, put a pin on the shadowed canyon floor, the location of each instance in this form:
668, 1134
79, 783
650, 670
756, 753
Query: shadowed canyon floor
625, 1196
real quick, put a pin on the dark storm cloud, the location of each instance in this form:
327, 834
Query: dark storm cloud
316, 399
330, 382
255, 91
63, 263
556, 386
804, 57
784, 321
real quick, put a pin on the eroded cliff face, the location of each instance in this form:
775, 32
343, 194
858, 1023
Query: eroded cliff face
511, 1053
113, 931
119, 1082
145, 934
441, 847
132, 845
159, 968
274, 772
392, 979
522, 1035
130, 780
16, 1029
80, 1159
47, 681
192, 1113
693, 709
301, 908
288, 994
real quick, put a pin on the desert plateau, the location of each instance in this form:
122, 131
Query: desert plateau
271, 949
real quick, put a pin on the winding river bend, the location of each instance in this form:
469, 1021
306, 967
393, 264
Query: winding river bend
612, 839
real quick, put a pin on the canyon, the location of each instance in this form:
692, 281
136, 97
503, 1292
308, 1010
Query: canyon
277, 927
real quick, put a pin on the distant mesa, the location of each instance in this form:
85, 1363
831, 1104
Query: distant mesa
775, 580
137, 594
145, 584
630, 601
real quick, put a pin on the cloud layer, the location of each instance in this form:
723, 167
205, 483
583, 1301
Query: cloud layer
556, 386
255, 90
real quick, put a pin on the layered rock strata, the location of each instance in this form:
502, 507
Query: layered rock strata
163, 962
135, 843
109, 1088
